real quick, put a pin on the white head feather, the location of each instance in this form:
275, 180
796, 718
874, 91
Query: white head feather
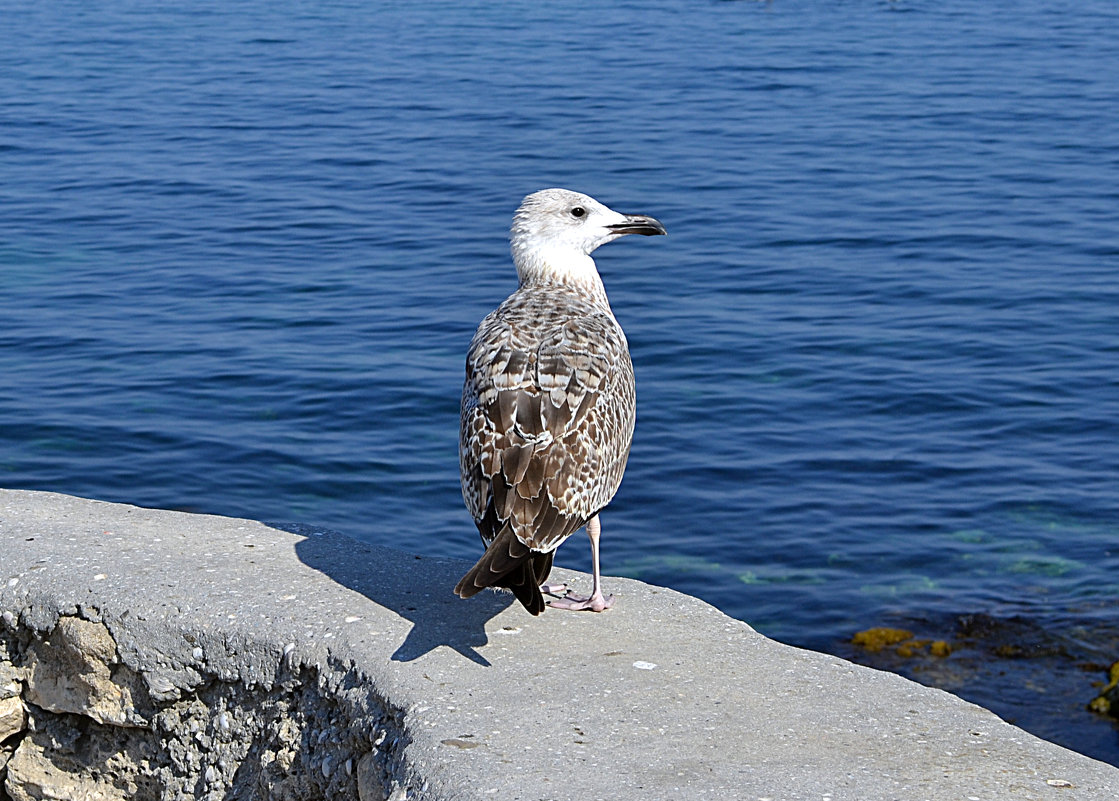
555, 231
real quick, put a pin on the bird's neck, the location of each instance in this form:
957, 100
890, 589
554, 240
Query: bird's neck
561, 268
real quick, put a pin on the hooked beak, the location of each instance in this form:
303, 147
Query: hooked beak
638, 224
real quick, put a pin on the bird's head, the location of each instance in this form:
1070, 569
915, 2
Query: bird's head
555, 231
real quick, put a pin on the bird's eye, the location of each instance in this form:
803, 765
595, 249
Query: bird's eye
578, 211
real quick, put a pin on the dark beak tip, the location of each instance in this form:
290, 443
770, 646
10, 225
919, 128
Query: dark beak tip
646, 226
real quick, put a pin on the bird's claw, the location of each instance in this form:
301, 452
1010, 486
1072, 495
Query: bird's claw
580, 603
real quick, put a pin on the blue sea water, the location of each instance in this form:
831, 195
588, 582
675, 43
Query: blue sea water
243, 248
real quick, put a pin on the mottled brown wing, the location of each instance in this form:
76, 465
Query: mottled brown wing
547, 417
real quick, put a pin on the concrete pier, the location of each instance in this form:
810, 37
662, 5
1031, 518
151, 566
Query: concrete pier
149, 654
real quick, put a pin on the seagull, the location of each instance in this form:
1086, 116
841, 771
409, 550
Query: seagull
548, 402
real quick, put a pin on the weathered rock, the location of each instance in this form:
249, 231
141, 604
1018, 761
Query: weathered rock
13, 718
42, 771
368, 781
76, 670
11, 679
296, 740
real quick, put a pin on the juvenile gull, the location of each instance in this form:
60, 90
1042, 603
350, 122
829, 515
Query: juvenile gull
548, 402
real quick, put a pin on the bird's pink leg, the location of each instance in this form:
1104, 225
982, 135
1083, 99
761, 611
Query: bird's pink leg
596, 601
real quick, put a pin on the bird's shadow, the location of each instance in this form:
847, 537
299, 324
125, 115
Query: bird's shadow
418, 589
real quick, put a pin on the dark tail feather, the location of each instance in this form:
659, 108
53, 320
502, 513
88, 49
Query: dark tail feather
542, 566
524, 585
509, 563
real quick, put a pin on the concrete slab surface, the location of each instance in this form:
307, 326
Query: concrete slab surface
662, 697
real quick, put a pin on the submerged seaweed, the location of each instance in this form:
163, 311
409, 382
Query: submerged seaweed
1037, 672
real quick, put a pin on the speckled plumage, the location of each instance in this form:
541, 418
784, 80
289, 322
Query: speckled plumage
548, 403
